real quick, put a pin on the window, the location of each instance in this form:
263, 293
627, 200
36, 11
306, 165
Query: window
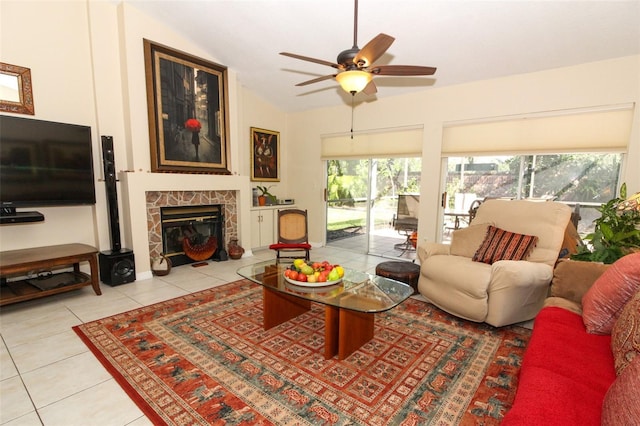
587, 179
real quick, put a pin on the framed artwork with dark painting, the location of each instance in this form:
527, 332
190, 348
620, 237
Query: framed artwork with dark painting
187, 101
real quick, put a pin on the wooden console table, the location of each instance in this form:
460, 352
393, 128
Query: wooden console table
19, 263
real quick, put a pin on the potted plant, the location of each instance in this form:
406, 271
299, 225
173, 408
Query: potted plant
264, 195
616, 233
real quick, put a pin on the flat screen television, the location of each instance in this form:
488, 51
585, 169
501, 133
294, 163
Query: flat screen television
44, 163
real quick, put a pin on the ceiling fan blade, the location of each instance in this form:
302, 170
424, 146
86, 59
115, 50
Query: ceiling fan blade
370, 88
315, 80
402, 70
314, 60
373, 50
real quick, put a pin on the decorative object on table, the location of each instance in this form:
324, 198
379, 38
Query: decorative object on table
265, 155
161, 266
617, 230
203, 368
254, 195
17, 94
183, 90
199, 250
306, 273
234, 249
265, 197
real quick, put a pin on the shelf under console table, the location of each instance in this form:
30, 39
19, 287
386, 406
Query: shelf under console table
18, 263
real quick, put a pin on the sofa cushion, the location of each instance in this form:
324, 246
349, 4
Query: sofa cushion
602, 304
565, 373
561, 302
625, 336
620, 406
572, 279
500, 244
465, 241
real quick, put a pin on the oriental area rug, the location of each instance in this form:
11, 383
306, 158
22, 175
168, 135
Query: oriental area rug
206, 359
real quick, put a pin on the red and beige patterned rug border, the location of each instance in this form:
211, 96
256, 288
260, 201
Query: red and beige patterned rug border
204, 358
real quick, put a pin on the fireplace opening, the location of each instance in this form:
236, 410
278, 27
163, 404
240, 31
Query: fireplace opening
199, 224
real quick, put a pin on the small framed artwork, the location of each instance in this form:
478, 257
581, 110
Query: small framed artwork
265, 155
187, 100
16, 94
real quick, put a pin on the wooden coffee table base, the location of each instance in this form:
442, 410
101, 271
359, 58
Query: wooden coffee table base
345, 331
278, 308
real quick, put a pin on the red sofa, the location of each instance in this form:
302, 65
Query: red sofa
570, 364
565, 373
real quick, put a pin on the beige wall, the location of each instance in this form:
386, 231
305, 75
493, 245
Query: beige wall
87, 67
590, 85
54, 43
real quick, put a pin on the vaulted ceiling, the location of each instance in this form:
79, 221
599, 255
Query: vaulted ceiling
467, 40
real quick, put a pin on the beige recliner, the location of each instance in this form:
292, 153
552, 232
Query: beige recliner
507, 291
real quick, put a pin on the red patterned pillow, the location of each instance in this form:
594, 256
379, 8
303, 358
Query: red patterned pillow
620, 406
625, 336
499, 244
603, 303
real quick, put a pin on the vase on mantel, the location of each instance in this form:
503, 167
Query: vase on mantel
235, 251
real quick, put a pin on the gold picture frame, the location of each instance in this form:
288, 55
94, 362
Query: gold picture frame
265, 155
16, 93
187, 100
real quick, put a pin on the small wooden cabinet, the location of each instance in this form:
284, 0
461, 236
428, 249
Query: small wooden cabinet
262, 227
18, 263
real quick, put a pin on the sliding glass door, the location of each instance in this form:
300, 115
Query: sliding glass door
362, 204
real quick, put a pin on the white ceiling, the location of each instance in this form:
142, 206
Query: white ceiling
467, 40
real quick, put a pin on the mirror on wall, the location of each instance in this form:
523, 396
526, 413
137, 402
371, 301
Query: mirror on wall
16, 94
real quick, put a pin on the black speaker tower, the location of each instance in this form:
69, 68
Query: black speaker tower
117, 265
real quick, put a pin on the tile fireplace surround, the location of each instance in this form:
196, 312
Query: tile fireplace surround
143, 193
158, 199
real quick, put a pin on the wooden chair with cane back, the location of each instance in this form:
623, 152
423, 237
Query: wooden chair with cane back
293, 238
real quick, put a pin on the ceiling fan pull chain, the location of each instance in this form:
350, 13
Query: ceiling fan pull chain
352, 108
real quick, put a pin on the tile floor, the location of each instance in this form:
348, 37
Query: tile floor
49, 377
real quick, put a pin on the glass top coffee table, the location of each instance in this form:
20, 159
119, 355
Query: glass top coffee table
350, 305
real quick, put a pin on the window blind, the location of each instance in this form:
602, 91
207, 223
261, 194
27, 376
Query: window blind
601, 130
379, 144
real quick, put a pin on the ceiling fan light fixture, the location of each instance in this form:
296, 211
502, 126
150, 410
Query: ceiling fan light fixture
353, 81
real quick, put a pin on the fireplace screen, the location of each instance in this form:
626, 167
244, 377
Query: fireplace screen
200, 225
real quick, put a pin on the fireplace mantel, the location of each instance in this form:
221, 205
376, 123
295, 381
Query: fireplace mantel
133, 218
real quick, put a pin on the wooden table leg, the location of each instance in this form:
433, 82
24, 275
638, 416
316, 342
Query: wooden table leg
278, 307
355, 329
95, 281
331, 330
345, 331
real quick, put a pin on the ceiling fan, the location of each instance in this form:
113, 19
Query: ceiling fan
356, 66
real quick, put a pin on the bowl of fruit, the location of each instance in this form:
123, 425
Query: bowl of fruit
313, 274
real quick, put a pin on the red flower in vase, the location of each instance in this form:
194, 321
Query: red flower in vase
193, 125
